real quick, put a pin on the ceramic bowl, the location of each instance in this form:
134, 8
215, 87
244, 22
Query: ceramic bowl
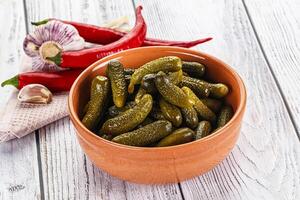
151, 165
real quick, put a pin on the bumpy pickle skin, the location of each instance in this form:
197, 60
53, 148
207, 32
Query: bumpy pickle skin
146, 135
179, 136
148, 83
172, 93
214, 104
129, 119
129, 71
170, 112
194, 69
225, 115
203, 111
157, 114
204, 129
190, 117
139, 95
100, 88
175, 77
113, 111
217, 90
199, 88
166, 64
115, 73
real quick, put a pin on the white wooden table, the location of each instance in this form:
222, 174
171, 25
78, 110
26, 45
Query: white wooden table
260, 39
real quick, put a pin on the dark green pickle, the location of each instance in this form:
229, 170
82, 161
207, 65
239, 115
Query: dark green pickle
179, 136
171, 93
130, 119
146, 135
116, 75
100, 88
157, 114
203, 111
129, 71
147, 121
190, 117
194, 69
199, 88
214, 104
148, 83
217, 90
114, 110
204, 129
166, 64
107, 137
175, 77
225, 115
170, 112
139, 95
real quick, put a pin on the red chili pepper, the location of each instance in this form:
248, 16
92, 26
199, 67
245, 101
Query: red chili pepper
103, 35
54, 81
85, 57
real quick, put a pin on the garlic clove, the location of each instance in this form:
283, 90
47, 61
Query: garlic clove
35, 93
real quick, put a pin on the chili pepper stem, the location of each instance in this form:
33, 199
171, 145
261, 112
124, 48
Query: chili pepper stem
14, 81
51, 52
45, 21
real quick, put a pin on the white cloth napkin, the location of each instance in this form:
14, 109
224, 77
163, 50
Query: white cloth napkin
19, 119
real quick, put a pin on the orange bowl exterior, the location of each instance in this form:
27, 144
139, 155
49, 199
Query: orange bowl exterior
155, 165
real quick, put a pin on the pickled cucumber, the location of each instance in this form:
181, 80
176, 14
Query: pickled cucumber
170, 112
146, 135
179, 136
129, 71
225, 115
100, 88
166, 64
116, 75
175, 77
157, 114
203, 111
139, 95
147, 121
130, 118
199, 88
148, 83
203, 129
194, 69
190, 117
172, 93
214, 104
114, 110
217, 90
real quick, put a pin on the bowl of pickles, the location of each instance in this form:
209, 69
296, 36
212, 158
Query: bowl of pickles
157, 115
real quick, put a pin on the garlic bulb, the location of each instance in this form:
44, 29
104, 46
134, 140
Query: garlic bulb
35, 93
48, 40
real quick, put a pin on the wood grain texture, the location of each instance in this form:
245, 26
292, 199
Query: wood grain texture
18, 158
277, 24
67, 173
265, 162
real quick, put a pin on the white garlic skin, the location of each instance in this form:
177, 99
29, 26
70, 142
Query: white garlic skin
35, 93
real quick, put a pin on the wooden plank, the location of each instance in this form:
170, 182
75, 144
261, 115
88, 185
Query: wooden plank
277, 26
265, 162
18, 158
67, 173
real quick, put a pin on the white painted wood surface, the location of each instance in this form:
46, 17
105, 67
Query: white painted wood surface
19, 169
277, 23
265, 164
